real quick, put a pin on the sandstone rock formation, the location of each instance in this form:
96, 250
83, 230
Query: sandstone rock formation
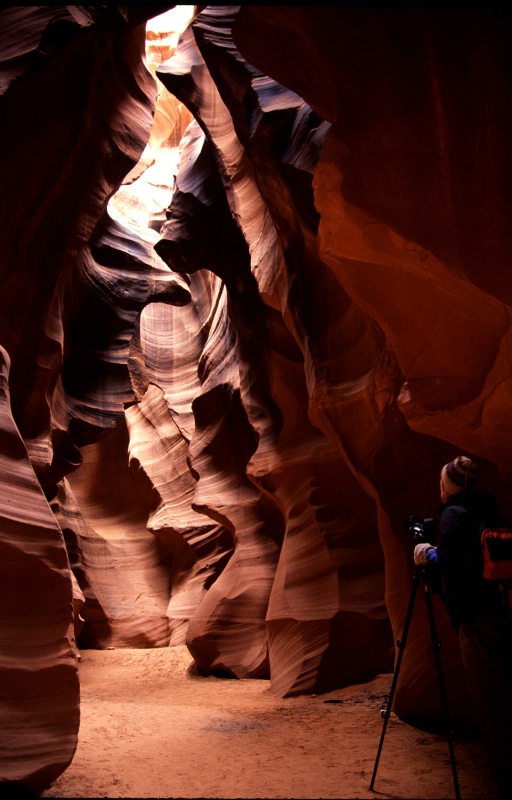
69, 309
254, 293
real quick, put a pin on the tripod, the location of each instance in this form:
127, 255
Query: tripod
420, 573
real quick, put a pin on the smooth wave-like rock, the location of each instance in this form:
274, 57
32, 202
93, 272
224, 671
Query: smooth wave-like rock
39, 698
253, 294
76, 116
423, 257
304, 652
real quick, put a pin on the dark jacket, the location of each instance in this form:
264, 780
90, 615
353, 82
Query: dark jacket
459, 556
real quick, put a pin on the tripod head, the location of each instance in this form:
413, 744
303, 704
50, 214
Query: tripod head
422, 529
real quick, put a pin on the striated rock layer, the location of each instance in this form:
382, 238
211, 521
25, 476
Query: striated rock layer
254, 293
316, 612
76, 115
410, 189
39, 688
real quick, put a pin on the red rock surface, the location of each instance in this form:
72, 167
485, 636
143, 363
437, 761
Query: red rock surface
232, 369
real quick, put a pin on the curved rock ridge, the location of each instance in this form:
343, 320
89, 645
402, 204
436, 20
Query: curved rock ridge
305, 616
67, 294
412, 226
253, 294
76, 116
38, 656
29, 35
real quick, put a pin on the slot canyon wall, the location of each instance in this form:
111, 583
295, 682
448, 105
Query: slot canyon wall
254, 293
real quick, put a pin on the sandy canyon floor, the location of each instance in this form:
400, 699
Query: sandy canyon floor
151, 727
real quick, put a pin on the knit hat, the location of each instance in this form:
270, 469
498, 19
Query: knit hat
458, 475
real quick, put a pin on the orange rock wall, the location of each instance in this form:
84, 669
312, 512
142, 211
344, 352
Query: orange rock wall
411, 193
231, 371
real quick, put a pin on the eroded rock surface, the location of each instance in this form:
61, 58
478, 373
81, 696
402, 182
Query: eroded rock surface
76, 115
253, 296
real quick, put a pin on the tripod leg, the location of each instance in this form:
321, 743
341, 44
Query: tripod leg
386, 710
436, 645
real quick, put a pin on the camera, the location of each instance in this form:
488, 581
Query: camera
423, 530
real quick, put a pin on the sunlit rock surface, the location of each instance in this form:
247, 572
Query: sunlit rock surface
254, 293
76, 115
315, 613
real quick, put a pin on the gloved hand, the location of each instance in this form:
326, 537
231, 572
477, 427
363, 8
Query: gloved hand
421, 551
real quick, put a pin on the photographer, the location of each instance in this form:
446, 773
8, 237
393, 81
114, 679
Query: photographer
476, 609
